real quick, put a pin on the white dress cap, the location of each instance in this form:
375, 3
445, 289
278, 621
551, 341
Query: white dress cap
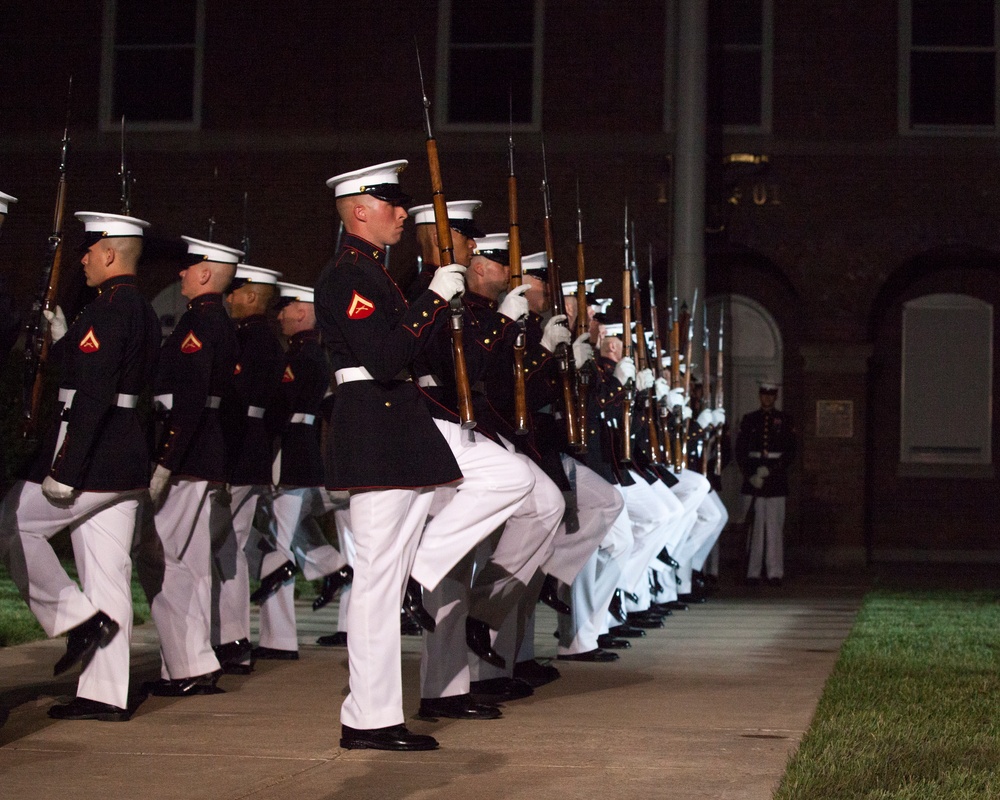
249, 274
457, 209
494, 246
211, 251
535, 263
292, 292
375, 180
768, 385
569, 287
105, 226
5, 201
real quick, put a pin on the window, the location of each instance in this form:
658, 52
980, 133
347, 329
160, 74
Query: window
740, 53
948, 66
947, 381
152, 64
490, 64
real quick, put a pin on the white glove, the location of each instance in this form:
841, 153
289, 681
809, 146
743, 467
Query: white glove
662, 388
57, 323
686, 412
644, 380
756, 481
555, 333
705, 418
675, 397
719, 417
52, 489
763, 472
448, 281
625, 371
514, 306
158, 484
582, 350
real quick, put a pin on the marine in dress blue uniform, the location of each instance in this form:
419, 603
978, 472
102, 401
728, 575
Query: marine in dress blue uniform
386, 450
89, 474
197, 362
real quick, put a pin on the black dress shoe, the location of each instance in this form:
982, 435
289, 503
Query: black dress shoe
690, 597
184, 687
667, 559
616, 609
651, 613
648, 623
671, 605
499, 690
771, 581
273, 581
608, 642
751, 581
273, 654
632, 597
598, 656
82, 708
232, 655
413, 605
627, 632
332, 584
459, 706
535, 674
338, 639
395, 737
550, 596
477, 637
83, 640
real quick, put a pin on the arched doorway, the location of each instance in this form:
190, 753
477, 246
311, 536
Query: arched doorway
753, 350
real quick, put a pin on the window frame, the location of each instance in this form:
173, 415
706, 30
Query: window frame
766, 70
107, 122
903, 94
441, 122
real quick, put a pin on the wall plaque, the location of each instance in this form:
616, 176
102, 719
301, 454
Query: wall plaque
834, 419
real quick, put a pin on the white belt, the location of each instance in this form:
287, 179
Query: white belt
428, 380
759, 454
164, 401
350, 374
213, 401
257, 412
122, 400
305, 419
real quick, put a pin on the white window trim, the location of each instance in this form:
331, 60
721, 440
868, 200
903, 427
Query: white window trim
903, 102
109, 123
441, 82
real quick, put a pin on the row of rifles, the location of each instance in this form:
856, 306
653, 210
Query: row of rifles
668, 426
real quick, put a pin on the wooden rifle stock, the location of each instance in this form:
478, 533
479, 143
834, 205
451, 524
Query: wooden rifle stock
626, 459
37, 338
516, 278
447, 257
675, 383
718, 392
642, 362
563, 354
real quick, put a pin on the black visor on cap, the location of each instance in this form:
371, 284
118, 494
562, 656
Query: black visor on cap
90, 238
389, 192
235, 284
283, 301
540, 274
591, 298
500, 256
466, 227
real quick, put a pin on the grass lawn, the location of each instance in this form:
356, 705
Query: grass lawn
912, 708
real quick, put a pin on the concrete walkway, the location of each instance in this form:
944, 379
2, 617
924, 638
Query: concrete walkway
711, 706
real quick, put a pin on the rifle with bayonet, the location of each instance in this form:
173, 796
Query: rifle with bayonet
516, 279
37, 339
676, 413
626, 459
642, 361
718, 392
446, 257
583, 372
564, 353
706, 389
661, 407
688, 368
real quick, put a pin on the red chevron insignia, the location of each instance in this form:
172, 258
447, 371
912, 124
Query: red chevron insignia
191, 343
360, 307
289, 376
89, 343
238, 370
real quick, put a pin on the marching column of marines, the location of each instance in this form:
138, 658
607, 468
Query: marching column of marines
461, 528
